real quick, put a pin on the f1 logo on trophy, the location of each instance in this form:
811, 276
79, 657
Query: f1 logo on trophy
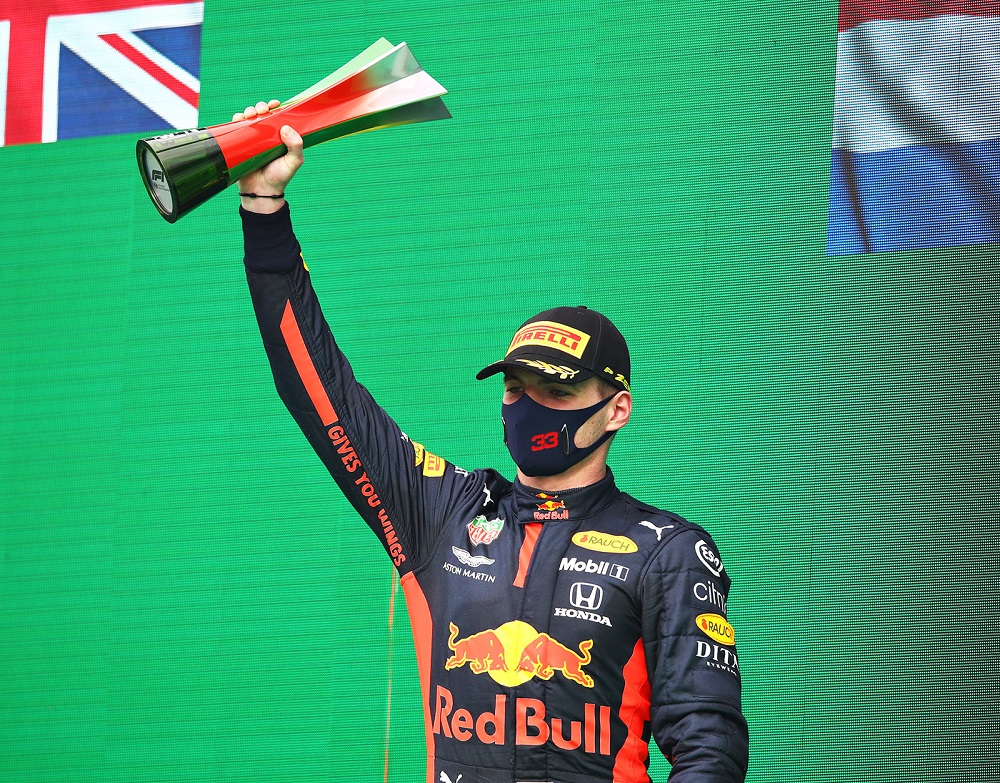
381, 87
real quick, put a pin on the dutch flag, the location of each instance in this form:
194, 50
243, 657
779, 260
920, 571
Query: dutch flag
916, 136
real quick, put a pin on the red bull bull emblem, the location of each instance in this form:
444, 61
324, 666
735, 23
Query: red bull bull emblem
515, 652
483, 530
550, 507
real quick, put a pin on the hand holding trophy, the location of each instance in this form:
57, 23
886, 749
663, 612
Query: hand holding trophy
263, 189
381, 87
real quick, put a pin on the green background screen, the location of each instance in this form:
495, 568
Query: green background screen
185, 596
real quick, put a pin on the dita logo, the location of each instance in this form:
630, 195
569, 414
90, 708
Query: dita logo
156, 176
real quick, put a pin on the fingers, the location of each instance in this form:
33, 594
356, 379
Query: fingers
256, 110
291, 139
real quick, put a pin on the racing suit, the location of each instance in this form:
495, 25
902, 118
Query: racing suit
554, 631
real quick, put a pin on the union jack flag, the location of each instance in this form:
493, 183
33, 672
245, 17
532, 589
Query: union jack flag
76, 68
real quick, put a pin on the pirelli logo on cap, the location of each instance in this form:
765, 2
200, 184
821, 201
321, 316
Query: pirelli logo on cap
549, 334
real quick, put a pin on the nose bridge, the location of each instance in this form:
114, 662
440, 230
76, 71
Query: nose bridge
534, 390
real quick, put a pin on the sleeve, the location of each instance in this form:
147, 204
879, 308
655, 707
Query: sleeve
695, 707
402, 491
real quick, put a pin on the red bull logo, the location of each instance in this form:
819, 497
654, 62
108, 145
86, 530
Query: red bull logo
551, 505
550, 508
515, 652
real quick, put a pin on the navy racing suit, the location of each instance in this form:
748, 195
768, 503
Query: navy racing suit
554, 632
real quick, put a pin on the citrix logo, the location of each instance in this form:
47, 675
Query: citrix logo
708, 593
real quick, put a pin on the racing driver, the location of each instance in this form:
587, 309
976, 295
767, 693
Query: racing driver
558, 622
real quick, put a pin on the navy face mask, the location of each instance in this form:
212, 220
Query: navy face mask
540, 439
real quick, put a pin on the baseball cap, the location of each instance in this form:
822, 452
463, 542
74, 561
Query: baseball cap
570, 345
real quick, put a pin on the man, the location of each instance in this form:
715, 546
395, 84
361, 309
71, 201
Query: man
557, 621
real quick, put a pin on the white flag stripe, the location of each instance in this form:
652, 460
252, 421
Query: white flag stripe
80, 33
50, 81
185, 78
928, 81
135, 81
4, 59
148, 18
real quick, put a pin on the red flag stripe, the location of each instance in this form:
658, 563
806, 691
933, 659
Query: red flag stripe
855, 12
163, 77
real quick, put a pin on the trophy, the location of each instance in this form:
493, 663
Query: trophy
381, 87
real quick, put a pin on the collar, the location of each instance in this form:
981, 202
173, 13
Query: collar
534, 505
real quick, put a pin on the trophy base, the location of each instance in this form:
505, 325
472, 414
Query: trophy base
182, 170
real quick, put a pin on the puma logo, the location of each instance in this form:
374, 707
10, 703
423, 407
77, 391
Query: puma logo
659, 530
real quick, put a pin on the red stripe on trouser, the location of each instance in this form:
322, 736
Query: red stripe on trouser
630, 763
531, 531
172, 83
423, 628
305, 367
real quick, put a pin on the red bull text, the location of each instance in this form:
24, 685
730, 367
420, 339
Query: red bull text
531, 724
551, 509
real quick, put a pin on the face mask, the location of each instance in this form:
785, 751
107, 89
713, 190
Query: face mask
540, 439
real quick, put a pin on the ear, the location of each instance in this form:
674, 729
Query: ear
621, 410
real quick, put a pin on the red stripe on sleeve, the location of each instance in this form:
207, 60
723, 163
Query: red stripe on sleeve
305, 367
630, 763
531, 531
855, 12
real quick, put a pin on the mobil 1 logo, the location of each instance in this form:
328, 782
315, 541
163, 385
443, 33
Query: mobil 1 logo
594, 567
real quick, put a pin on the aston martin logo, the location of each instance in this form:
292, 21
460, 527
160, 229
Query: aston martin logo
473, 561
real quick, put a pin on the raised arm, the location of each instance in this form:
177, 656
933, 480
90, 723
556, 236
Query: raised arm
401, 490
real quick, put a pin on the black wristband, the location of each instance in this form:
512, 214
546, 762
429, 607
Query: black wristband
259, 195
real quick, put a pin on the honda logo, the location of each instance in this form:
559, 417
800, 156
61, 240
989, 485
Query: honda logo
584, 595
